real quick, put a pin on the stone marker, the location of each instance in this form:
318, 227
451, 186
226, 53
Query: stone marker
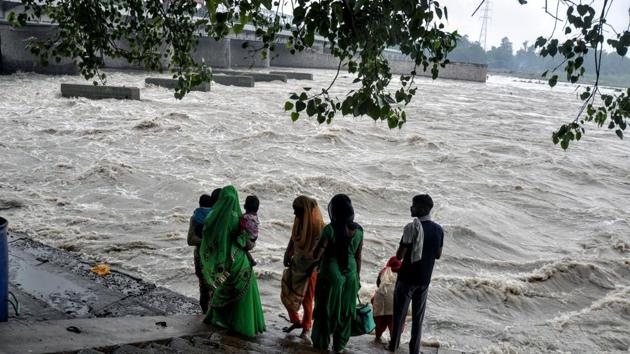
99, 92
256, 75
172, 84
294, 75
233, 80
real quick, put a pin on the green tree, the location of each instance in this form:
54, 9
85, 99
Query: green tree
357, 31
501, 57
468, 52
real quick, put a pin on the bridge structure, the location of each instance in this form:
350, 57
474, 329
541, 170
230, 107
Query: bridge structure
236, 51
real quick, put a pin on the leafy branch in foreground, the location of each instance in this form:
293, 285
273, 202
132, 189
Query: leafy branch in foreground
158, 33
147, 33
586, 30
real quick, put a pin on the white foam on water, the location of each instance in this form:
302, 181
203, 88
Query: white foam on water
536, 245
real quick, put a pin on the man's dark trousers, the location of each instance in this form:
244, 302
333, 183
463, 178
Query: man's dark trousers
404, 294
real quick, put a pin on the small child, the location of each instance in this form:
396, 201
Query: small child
249, 223
195, 229
383, 300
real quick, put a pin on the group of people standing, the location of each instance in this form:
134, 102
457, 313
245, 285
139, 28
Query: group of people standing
322, 265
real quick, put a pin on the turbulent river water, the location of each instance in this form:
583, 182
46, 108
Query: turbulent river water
537, 241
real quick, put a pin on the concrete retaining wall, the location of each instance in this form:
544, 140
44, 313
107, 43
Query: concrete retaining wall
308, 58
14, 56
120, 63
453, 71
216, 54
246, 57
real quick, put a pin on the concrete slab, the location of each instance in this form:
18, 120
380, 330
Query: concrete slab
233, 80
100, 92
294, 75
53, 336
62, 292
258, 76
52, 284
172, 84
32, 309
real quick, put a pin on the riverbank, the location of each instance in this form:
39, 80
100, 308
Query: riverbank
65, 307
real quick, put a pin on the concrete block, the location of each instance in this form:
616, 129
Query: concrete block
172, 84
99, 92
260, 77
294, 75
233, 80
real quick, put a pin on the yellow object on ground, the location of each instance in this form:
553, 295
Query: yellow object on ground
101, 269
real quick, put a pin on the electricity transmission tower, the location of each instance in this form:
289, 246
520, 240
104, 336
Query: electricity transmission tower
485, 18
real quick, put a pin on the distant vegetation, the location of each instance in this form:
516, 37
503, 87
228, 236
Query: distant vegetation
527, 62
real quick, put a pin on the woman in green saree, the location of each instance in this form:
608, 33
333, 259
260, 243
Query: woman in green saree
338, 283
234, 299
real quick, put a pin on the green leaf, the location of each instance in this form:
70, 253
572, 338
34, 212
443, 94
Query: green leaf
619, 133
295, 116
346, 107
238, 28
288, 106
299, 106
564, 144
310, 108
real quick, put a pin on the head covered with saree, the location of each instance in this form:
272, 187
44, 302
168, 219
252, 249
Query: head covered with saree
341, 215
308, 226
224, 264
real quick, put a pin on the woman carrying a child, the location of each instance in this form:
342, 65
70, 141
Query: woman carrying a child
299, 278
234, 300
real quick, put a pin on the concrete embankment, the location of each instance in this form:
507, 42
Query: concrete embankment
65, 307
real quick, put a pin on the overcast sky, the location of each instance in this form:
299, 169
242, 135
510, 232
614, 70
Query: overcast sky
520, 22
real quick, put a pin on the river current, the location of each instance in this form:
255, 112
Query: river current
537, 240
